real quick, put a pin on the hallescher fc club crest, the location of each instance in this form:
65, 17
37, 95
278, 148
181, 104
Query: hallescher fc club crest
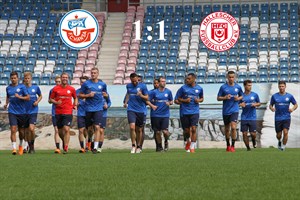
78, 29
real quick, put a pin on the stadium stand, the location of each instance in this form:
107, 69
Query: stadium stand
30, 41
267, 50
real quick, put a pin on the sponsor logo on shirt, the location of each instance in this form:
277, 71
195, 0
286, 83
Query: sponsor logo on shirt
18, 90
252, 98
197, 91
68, 91
100, 87
33, 90
236, 89
287, 99
166, 95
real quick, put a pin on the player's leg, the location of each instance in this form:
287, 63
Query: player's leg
252, 129
226, 119
131, 116
187, 131
102, 132
143, 132
67, 122
244, 130
21, 131
165, 129
31, 133
140, 122
13, 132
194, 120
81, 129
157, 135
56, 135
279, 129
97, 119
23, 123
233, 126
154, 133
286, 127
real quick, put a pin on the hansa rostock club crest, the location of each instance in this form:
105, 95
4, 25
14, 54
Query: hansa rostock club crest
78, 29
219, 31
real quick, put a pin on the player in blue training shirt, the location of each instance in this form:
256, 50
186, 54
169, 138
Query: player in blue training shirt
16, 96
161, 99
56, 134
230, 93
181, 118
106, 105
249, 103
81, 117
94, 91
280, 104
32, 109
135, 102
140, 80
155, 86
190, 95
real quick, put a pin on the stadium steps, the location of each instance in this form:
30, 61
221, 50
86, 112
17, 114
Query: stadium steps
108, 55
88, 5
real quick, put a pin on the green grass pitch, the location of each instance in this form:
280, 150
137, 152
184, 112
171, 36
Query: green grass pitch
117, 174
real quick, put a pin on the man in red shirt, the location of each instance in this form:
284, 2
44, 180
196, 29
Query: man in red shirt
62, 96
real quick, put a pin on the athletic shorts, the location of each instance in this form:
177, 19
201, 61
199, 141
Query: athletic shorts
137, 118
103, 122
18, 120
54, 120
190, 120
282, 124
230, 118
94, 118
32, 118
159, 123
181, 121
63, 120
81, 121
248, 126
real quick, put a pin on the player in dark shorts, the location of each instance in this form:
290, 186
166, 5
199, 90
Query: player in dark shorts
249, 103
135, 102
231, 94
16, 97
280, 104
62, 96
190, 95
32, 109
161, 99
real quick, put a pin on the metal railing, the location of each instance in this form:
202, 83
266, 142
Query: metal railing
90, 5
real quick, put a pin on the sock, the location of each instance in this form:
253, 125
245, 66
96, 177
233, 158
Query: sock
26, 145
159, 145
32, 144
283, 146
86, 144
21, 143
227, 142
279, 143
81, 144
57, 145
66, 148
138, 146
248, 147
96, 145
133, 145
232, 142
254, 142
193, 145
100, 144
14, 145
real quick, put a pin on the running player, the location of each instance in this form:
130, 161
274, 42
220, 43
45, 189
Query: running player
155, 86
190, 95
32, 108
62, 96
81, 116
56, 134
137, 95
106, 105
280, 104
16, 96
94, 91
249, 103
161, 99
230, 93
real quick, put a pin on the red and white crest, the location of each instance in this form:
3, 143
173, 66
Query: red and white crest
219, 31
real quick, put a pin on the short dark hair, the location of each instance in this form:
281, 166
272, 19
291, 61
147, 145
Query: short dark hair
13, 73
247, 81
162, 77
156, 79
84, 77
133, 75
281, 82
192, 74
230, 72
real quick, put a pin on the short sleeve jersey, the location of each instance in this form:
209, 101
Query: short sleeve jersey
34, 91
136, 103
65, 95
159, 99
282, 104
16, 105
249, 112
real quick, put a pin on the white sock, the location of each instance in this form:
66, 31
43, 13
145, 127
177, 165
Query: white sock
26, 145
21, 143
283, 146
96, 145
14, 145
193, 145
